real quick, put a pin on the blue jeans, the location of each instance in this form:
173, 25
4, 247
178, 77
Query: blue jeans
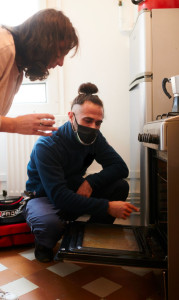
45, 223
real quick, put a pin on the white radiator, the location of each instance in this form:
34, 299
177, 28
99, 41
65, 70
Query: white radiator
19, 148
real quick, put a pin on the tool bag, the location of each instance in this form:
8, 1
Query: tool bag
13, 227
11, 210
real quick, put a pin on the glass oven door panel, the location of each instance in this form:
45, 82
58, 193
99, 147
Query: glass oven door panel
113, 244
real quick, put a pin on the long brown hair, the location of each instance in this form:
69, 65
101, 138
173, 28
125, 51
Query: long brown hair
37, 41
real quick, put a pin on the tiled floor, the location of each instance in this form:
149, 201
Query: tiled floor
21, 274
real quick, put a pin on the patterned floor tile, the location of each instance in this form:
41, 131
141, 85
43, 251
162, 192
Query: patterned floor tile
37, 294
22, 274
29, 254
126, 293
102, 287
63, 269
138, 271
86, 274
118, 274
57, 287
7, 276
19, 287
2, 267
12, 258
26, 267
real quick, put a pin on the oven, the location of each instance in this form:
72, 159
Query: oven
161, 141
155, 245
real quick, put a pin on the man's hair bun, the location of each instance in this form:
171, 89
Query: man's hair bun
88, 88
86, 92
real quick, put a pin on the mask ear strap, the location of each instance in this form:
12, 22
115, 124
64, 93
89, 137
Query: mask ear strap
76, 123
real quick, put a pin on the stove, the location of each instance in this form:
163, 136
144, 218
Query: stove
160, 140
155, 133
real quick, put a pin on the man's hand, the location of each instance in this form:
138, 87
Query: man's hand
85, 189
120, 209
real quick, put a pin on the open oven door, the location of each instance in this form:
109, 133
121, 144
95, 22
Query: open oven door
114, 244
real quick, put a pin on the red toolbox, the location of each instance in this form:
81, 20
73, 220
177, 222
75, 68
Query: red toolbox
15, 234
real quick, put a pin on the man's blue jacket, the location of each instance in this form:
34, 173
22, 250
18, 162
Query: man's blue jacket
58, 165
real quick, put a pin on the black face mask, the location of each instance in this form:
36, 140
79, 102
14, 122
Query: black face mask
86, 135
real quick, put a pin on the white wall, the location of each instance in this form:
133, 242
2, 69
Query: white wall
103, 59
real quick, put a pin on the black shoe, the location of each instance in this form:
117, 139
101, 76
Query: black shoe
43, 254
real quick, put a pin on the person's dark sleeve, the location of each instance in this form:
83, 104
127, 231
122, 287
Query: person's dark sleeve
52, 177
113, 166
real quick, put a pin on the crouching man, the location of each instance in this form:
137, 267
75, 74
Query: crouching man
56, 176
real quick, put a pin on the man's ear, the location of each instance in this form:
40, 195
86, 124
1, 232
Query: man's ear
70, 116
